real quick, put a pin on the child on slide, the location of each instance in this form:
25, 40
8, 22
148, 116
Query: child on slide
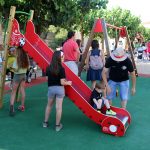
97, 100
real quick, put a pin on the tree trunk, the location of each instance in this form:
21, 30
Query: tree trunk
82, 36
1, 40
38, 29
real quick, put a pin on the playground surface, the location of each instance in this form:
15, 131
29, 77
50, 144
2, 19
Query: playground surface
143, 67
25, 131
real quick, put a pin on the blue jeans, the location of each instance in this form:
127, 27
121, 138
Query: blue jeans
123, 88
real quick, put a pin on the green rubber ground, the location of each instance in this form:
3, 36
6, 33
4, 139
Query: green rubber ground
25, 132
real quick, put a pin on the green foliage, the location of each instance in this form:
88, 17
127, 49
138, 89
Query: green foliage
2, 2
73, 14
119, 18
60, 36
145, 32
66, 14
1, 5
88, 10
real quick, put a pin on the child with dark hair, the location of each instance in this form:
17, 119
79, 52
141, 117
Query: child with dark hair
56, 82
20, 67
94, 63
97, 99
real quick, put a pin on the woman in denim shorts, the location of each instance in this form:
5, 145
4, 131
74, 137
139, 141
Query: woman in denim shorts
56, 81
20, 67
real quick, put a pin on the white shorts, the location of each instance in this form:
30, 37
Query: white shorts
72, 65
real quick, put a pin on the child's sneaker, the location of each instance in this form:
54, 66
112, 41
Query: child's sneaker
58, 127
98, 111
21, 108
110, 112
45, 124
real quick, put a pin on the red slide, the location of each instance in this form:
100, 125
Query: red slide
79, 92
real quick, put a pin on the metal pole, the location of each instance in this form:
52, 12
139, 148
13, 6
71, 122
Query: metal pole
31, 15
112, 26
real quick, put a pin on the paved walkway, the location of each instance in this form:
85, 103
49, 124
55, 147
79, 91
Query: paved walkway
143, 68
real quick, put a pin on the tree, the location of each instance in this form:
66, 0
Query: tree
120, 17
1, 5
72, 14
67, 14
145, 33
1, 19
88, 10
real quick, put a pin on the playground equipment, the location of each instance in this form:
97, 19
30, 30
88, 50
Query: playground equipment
9, 38
101, 26
79, 92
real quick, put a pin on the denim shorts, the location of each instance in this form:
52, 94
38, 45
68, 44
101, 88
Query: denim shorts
56, 92
19, 77
123, 89
72, 65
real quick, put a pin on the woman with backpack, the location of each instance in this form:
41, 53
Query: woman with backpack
95, 63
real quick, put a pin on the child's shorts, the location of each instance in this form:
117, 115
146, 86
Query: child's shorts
19, 77
56, 92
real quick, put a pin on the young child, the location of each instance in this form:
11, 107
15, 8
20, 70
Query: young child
11, 59
20, 67
97, 99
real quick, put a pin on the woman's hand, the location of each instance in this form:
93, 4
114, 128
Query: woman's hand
69, 82
65, 82
133, 91
108, 89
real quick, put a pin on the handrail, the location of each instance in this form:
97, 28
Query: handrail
22, 12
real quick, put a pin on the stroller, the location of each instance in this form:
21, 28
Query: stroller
30, 71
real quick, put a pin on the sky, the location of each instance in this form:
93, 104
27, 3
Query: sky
138, 8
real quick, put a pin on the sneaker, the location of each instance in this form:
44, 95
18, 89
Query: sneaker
21, 108
98, 111
58, 127
11, 111
110, 112
11, 85
117, 93
45, 124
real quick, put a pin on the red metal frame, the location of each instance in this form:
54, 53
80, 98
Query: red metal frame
112, 26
